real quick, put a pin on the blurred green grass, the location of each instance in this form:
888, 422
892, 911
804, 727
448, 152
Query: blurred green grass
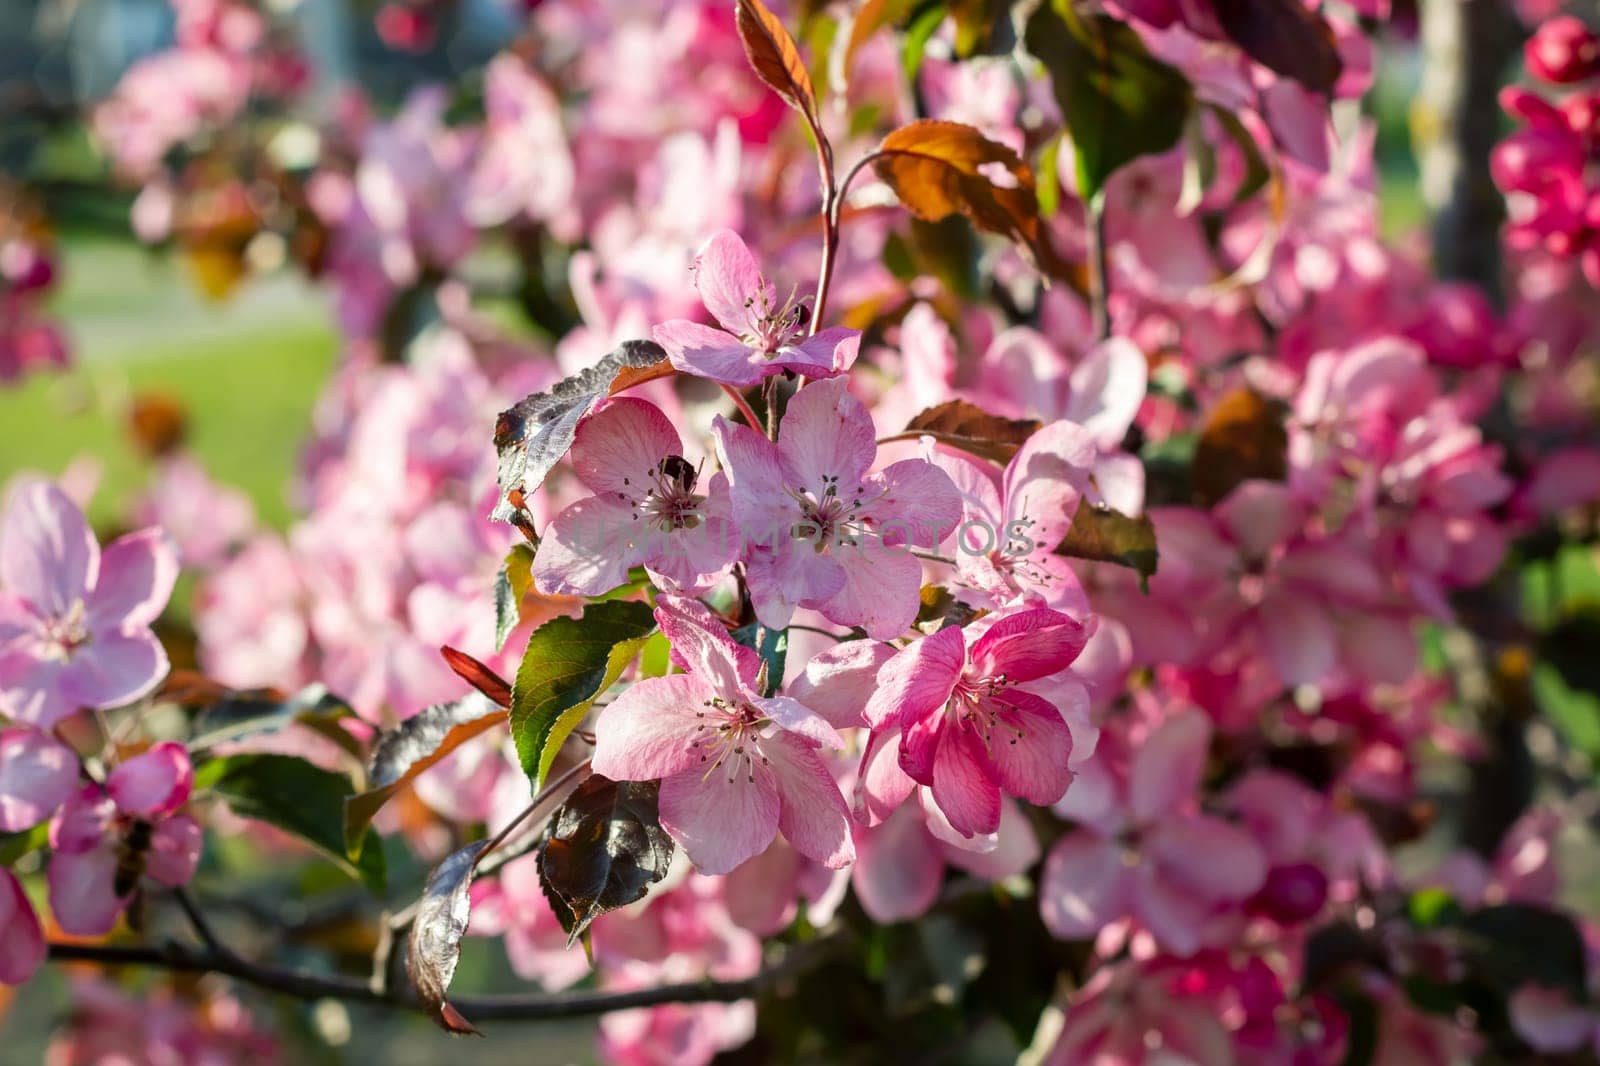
247, 370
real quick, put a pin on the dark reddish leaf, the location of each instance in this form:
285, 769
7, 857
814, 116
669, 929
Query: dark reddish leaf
1284, 36
939, 169
606, 848
972, 429
478, 675
775, 57
1244, 437
532, 436
410, 748
1105, 535
434, 946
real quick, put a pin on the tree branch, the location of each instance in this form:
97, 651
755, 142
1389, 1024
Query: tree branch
178, 958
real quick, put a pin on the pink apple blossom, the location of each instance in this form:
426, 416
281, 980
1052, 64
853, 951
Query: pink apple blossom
22, 947
140, 798
1188, 869
736, 767
646, 509
966, 729
759, 337
819, 531
75, 622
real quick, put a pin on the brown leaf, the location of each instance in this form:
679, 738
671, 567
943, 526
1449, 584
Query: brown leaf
1244, 437
606, 848
478, 675
410, 748
1284, 36
434, 947
972, 429
938, 169
776, 58
1102, 534
158, 423
532, 436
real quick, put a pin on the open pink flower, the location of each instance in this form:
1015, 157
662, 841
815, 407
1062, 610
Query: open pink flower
75, 622
759, 337
133, 813
650, 508
819, 531
1146, 852
1005, 545
966, 730
735, 767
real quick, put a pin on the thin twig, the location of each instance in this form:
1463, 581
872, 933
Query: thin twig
197, 920
743, 406
1099, 269
309, 986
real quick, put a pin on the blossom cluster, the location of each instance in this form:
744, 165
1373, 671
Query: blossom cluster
1140, 607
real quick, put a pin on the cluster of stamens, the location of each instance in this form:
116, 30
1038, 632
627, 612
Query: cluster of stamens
669, 501
66, 634
728, 734
972, 702
827, 519
770, 331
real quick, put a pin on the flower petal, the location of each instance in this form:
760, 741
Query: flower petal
826, 438
838, 682
701, 645
649, 731
812, 815
916, 503
1209, 858
82, 891
619, 448
48, 556
37, 774
114, 669
918, 680
157, 782
878, 591
729, 280
710, 353
1030, 748
1167, 766
961, 785
22, 947
720, 819
826, 353
137, 572
898, 868
1108, 386
1028, 644
588, 548
1084, 886
174, 851
882, 785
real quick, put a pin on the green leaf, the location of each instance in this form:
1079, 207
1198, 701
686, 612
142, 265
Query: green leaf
1429, 907
298, 797
236, 715
1105, 535
14, 846
570, 662
1119, 103
1049, 184
924, 24
773, 647
510, 585
1521, 943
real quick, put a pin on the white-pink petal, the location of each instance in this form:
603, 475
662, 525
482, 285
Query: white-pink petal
37, 774
721, 819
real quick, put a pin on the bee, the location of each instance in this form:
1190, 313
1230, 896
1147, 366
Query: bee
131, 857
676, 469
